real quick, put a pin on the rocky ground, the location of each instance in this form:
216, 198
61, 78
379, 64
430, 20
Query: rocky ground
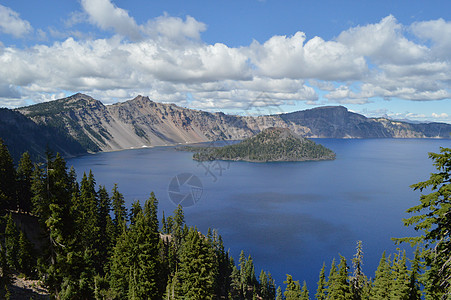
21, 288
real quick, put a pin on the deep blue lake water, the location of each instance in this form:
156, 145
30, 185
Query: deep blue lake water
291, 217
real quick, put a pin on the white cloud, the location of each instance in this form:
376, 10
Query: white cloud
11, 23
440, 115
106, 15
166, 58
437, 31
288, 57
383, 42
175, 28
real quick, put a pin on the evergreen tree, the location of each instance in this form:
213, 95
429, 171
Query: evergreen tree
120, 264
119, 210
136, 265
197, 268
89, 227
106, 231
235, 282
39, 188
359, 282
267, 286
432, 216
134, 211
414, 277
5, 274
338, 283
26, 256
11, 243
400, 277
24, 179
293, 289
279, 295
322, 284
304, 292
7, 179
178, 225
331, 278
382, 282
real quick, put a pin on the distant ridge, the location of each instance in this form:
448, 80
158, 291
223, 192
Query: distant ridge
141, 122
21, 134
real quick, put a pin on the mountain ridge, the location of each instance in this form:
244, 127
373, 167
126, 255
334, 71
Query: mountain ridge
141, 122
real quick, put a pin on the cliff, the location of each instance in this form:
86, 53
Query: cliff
141, 122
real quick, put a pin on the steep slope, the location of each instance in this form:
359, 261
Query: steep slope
141, 122
338, 122
22, 134
271, 144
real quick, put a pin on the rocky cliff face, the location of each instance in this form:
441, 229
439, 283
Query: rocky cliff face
21, 134
141, 122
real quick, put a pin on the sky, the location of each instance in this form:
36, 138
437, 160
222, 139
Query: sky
378, 58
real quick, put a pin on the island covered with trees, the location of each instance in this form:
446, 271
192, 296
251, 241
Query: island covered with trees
271, 145
85, 244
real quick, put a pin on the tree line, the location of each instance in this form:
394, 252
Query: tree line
92, 247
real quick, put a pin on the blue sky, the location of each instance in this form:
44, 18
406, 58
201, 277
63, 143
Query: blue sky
378, 58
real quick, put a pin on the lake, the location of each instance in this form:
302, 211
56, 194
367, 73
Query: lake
291, 217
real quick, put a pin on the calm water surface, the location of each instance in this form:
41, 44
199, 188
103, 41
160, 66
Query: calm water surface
289, 216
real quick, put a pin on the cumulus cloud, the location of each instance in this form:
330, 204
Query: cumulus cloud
383, 42
440, 115
11, 23
174, 28
166, 59
106, 15
438, 32
282, 57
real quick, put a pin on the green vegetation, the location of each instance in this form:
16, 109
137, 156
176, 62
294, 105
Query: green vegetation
23, 135
91, 248
51, 108
272, 144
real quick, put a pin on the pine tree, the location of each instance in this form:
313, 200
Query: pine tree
331, 278
134, 211
293, 289
164, 226
5, 274
89, 227
197, 268
304, 292
39, 188
359, 282
105, 224
136, 264
322, 284
178, 225
55, 190
120, 264
263, 280
432, 216
267, 286
11, 243
26, 256
7, 179
119, 210
249, 280
279, 295
382, 282
24, 179
339, 288
414, 277
400, 277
